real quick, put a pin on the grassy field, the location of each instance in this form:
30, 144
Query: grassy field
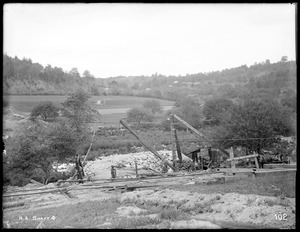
25, 103
113, 108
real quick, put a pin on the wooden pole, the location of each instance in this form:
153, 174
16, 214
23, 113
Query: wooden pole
136, 169
232, 161
178, 147
172, 140
256, 163
83, 162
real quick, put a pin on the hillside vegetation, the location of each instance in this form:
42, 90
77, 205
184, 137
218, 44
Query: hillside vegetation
23, 76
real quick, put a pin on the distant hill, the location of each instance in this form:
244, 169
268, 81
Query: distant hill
25, 77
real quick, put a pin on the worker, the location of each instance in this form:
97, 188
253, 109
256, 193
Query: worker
195, 157
113, 172
79, 168
261, 161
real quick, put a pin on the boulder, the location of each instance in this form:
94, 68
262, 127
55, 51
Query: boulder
194, 224
130, 210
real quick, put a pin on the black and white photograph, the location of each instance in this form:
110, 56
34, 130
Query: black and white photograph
149, 116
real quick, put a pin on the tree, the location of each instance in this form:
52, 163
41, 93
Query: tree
78, 111
74, 130
289, 100
66, 142
74, 72
45, 110
153, 105
190, 111
30, 153
216, 109
139, 114
284, 59
226, 90
87, 73
254, 123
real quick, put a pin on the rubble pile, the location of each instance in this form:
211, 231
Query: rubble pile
145, 160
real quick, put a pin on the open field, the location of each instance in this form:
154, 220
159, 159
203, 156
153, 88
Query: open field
25, 103
112, 108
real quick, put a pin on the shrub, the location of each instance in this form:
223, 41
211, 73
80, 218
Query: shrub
153, 105
139, 114
17, 178
45, 110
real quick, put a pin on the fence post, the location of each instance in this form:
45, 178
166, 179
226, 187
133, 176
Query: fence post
256, 163
136, 169
233, 168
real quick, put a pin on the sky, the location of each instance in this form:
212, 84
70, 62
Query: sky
113, 39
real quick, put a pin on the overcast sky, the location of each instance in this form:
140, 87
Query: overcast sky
142, 39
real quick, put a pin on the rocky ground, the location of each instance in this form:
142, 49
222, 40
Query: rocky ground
215, 210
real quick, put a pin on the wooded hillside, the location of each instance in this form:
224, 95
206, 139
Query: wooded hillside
26, 77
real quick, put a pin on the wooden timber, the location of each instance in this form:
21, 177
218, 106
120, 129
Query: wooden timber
242, 157
35, 192
198, 133
147, 145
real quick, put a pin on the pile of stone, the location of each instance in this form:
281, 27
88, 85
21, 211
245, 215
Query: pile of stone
145, 160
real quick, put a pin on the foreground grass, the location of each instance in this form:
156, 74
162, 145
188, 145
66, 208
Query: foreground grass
81, 215
90, 214
270, 185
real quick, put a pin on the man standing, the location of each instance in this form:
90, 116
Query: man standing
79, 168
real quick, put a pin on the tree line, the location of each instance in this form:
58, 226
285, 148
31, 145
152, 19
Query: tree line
22, 76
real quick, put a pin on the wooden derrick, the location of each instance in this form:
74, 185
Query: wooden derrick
145, 144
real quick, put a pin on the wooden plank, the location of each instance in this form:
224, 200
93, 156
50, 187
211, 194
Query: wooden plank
34, 192
242, 157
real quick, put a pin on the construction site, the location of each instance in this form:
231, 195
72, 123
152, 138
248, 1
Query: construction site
146, 179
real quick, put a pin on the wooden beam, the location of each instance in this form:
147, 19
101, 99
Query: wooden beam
178, 147
147, 145
242, 157
35, 192
198, 133
94, 132
172, 140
